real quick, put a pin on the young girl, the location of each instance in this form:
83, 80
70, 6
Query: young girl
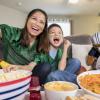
61, 68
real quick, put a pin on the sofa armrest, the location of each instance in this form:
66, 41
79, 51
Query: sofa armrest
79, 39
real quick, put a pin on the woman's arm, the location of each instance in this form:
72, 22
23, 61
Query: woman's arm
63, 61
29, 67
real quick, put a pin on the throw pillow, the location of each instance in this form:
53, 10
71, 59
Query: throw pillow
80, 52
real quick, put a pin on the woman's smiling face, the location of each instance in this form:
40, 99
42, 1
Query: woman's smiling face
55, 36
36, 24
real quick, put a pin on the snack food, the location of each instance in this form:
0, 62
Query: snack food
13, 75
84, 97
59, 90
60, 86
91, 82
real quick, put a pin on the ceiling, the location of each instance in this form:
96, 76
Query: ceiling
55, 7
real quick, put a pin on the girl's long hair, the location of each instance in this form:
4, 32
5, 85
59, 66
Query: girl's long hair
24, 40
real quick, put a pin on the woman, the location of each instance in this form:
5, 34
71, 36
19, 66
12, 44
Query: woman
22, 45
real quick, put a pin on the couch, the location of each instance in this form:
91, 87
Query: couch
81, 45
80, 39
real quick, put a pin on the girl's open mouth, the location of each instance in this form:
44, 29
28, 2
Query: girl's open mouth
56, 40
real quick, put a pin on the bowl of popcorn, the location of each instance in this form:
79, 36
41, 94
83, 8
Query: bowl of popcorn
14, 84
59, 90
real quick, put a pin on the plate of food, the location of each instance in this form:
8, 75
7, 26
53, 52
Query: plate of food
89, 82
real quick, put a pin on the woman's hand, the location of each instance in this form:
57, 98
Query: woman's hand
28, 67
10, 68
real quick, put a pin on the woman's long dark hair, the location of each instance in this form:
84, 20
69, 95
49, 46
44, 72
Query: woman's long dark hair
40, 39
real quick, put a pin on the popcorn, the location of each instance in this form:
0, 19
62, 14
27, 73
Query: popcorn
13, 75
2, 78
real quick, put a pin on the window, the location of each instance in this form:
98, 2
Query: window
65, 25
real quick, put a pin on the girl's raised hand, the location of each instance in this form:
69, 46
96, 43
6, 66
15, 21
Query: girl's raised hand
67, 43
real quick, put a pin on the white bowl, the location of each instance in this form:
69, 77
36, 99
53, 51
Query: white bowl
53, 94
15, 88
83, 88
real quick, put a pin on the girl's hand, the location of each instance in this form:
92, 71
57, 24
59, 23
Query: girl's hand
67, 43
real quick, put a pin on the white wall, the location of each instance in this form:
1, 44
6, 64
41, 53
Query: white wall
11, 17
85, 24
80, 24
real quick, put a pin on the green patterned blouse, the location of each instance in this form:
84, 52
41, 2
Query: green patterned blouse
13, 51
48, 59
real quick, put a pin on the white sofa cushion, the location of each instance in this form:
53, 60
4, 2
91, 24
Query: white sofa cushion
80, 52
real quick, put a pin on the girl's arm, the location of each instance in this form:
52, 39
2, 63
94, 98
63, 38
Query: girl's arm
63, 61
